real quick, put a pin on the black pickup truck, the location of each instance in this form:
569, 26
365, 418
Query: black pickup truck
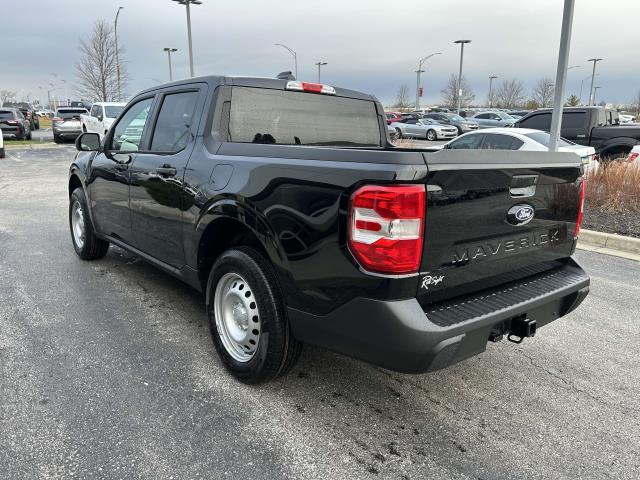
286, 205
596, 127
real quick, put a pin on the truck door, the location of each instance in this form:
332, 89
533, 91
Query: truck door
108, 182
157, 176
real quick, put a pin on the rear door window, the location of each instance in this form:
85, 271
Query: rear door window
260, 115
539, 121
467, 142
494, 141
173, 128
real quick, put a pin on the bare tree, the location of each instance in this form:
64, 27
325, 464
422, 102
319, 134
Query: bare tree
543, 92
402, 97
510, 94
97, 70
6, 95
450, 92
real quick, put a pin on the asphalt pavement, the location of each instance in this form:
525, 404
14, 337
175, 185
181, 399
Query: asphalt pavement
107, 370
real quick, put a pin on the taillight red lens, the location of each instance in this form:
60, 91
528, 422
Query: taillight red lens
576, 230
633, 157
386, 227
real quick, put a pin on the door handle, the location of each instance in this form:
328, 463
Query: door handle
167, 171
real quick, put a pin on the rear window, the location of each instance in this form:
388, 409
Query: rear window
70, 113
282, 117
543, 139
6, 115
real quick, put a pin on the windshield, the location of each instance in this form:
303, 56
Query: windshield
454, 117
260, 115
543, 139
112, 111
70, 113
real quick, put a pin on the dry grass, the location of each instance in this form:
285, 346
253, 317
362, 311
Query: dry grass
614, 188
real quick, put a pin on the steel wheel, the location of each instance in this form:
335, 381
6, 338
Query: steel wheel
77, 225
237, 317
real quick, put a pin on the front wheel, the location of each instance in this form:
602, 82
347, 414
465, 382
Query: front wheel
85, 242
431, 135
248, 319
398, 133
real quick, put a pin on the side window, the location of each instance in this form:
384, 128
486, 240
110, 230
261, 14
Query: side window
494, 141
173, 128
541, 121
468, 142
128, 132
95, 111
573, 120
483, 116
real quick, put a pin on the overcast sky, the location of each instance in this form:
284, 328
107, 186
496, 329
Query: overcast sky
370, 45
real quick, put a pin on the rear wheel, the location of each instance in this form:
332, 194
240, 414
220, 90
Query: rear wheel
247, 317
57, 139
431, 135
85, 242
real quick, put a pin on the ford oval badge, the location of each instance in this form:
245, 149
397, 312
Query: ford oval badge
520, 214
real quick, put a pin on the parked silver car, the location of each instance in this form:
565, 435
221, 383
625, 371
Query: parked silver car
424, 128
494, 119
66, 123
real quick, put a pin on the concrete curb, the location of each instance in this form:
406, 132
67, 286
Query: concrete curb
610, 244
33, 146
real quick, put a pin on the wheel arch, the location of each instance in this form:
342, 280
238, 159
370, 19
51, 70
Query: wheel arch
618, 145
228, 224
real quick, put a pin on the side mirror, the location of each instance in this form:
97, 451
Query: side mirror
88, 142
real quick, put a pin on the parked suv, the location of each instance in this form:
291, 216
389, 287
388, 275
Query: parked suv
27, 111
493, 119
285, 204
14, 125
66, 123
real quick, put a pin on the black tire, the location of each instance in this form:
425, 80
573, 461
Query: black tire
92, 247
459, 130
2, 154
57, 139
398, 133
432, 135
28, 136
277, 350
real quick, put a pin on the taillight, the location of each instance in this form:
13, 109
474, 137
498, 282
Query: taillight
576, 230
57, 119
386, 227
633, 156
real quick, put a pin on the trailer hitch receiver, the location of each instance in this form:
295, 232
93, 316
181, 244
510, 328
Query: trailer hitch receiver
521, 327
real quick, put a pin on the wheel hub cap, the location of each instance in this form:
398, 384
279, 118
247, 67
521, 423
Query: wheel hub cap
237, 317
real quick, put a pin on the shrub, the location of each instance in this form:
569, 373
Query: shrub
614, 188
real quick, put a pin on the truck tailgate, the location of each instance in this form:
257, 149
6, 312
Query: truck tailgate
494, 217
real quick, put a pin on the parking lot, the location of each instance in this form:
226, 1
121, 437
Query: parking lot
108, 371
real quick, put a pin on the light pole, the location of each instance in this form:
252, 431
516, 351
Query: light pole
595, 90
582, 84
187, 3
292, 52
461, 42
418, 72
169, 52
320, 64
115, 30
491, 78
561, 74
593, 77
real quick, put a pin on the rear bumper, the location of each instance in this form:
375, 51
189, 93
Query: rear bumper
67, 133
401, 336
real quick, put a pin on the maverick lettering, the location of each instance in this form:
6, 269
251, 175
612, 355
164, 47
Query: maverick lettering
498, 247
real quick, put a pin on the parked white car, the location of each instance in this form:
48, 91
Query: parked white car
626, 118
1, 145
101, 116
634, 155
525, 139
424, 128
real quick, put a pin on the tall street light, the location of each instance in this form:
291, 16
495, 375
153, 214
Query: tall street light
320, 64
418, 72
169, 52
461, 42
187, 3
595, 90
491, 79
115, 30
292, 52
593, 77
